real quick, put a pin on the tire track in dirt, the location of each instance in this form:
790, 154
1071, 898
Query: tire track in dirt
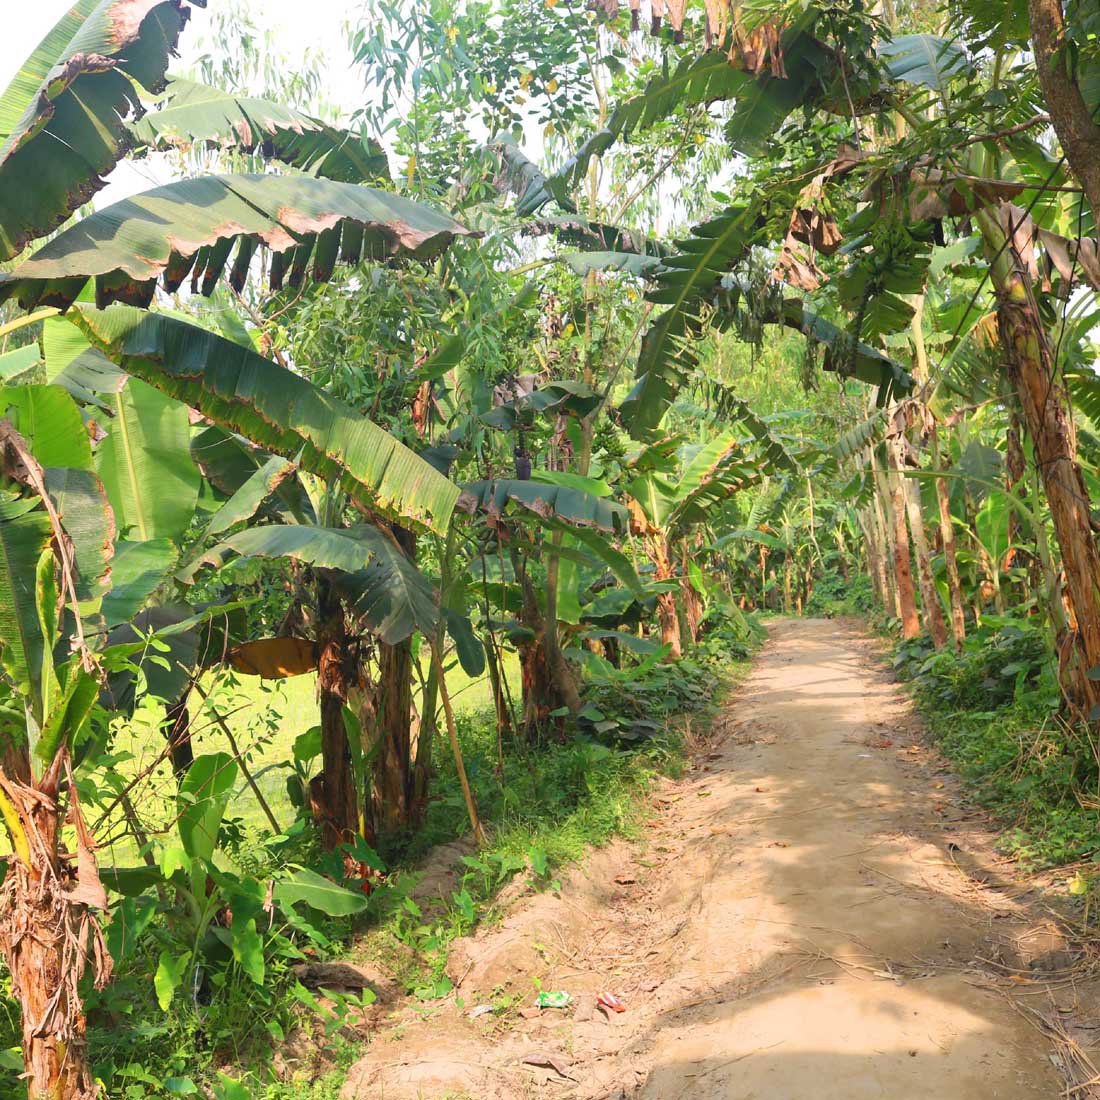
796, 923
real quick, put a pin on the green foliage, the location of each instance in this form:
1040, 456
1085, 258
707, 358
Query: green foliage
1000, 664
834, 595
993, 711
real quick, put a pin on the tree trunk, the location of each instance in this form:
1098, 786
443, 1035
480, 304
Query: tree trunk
176, 727
541, 690
667, 613
951, 561
335, 802
562, 675
903, 571
47, 933
392, 805
1075, 125
692, 605
930, 599
884, 515
1049, 423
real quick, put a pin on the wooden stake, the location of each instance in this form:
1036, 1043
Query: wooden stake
452, 733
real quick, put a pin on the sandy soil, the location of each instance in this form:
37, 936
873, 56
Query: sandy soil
812, 914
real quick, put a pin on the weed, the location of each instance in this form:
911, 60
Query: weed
993, 711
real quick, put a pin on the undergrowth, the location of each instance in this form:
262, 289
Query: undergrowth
993, 711
544, 805
835, 595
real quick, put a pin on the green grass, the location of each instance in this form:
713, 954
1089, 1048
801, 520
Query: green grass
994, 711
264, 718
543, 807
1033, 771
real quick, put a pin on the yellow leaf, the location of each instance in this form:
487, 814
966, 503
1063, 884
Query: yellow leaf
274, 658
1078, 884
410, 171
552, 87
452, 33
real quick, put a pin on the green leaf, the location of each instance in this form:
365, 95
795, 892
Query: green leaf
867, 364
707, 78
171, 968
388, 590
573, 507
927, 59
229, 1089
685, 283
246, 501
61, 125
24, 536
180, 1086
138, 568
581, 263
319, 893
277, 410
593, 485
82, 503
468, 646
520, 175
729, 406
192, 114
15, 363
48, 419
248, 949
145, 463
615, 560
203, 796
130, 881
68, 715
189, 227
74, 365
307, 746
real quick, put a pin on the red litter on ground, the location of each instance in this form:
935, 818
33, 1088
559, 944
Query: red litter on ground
609, 1000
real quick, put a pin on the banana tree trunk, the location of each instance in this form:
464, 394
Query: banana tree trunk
903, 570
930, 599
392, 805
335, 803
876, 555
947, 538
884, 520
668, 615
691, 603
1049, 422
565, 683
541, 689
47, 934
176, 727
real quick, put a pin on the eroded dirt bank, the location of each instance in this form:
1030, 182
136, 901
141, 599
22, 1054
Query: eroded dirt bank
809, 915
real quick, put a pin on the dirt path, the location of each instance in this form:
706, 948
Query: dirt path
797, 923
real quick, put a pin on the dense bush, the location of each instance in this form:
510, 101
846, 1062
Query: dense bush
994, 712
834, 594
1000, 664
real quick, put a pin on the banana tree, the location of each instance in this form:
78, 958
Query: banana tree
62, 119
578, 521
667, 497
68, 579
